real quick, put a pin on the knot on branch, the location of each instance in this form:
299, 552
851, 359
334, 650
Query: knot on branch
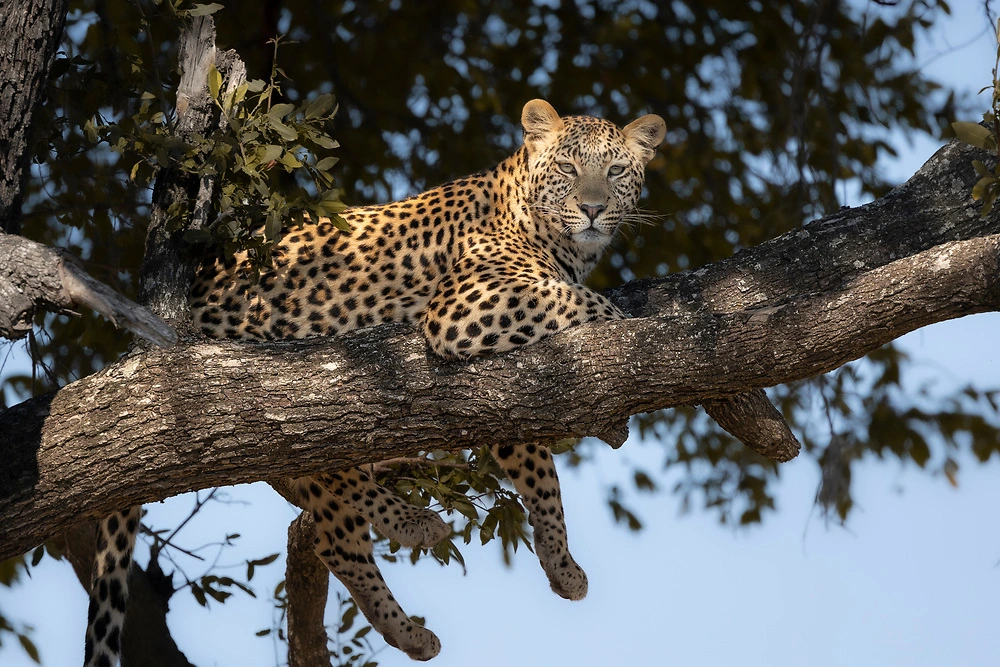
751, 419
614, 434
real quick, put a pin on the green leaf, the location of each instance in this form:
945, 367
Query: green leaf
205, 10
90, 132
269, 152
324, 141
319, 106
327, 163
290, 161
971, 133
263, 633
979, 189
36, 557
279, 111
214, 81
285, 132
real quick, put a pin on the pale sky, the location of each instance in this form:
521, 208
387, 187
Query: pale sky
912, 580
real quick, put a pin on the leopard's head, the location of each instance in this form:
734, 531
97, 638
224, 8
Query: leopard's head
585, 174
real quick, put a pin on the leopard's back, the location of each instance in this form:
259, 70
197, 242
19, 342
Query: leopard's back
324, 280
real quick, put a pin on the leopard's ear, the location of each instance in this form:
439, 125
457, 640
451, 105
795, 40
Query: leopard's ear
643, 135
540, 122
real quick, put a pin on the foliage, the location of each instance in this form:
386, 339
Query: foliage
9, 575
258, 142
988, 137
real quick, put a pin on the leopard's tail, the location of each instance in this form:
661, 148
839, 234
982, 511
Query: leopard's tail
109, 587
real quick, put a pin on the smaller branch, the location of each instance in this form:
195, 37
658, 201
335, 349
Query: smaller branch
35, 276
751, 419
306, 583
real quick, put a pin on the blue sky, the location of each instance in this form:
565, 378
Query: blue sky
913, 579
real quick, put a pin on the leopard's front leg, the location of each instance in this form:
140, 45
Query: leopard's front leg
533, 472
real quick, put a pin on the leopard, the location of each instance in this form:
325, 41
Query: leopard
482, 265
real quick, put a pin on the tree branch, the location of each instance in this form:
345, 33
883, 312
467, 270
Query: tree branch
307, 583
211, 413
36, 276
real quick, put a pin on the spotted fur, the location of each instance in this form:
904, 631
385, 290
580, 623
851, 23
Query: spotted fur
486, 263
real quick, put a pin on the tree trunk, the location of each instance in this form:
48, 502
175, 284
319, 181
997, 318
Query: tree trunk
203, 414
30, 31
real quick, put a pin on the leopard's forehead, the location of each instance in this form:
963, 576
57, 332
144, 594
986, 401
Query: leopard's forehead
590, 137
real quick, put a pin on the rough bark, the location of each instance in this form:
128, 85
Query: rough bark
307, 582
30, 31
203, 414
34, 276
168, 268
751, 419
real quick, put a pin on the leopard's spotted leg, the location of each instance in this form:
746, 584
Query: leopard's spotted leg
109, 587
408, 524
343, 543
533, 472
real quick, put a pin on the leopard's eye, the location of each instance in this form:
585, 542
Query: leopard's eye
567, 168
616, 170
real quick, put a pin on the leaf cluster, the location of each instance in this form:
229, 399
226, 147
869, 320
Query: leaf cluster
987, 137
270, 159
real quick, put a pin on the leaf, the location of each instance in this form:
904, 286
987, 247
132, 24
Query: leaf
263, 633
285, 132
90, 132
319, 106
324, 141
327, 163
205, 10
269, 152
272, 229
29, 647
979, 189
971, 133
290, 161
36, 557
279, 111
214, 81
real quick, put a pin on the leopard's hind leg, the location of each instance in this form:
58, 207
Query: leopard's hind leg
343, 543
533, 472
411, 526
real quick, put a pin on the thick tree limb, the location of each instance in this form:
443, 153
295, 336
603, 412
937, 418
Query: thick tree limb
204, 414
35, 276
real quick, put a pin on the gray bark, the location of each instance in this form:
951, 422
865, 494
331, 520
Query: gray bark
30, 31
34, 277
307, 583
203, 414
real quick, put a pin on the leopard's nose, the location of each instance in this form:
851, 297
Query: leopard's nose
592, 210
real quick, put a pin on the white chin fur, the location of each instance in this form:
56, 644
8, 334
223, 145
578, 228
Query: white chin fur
591, 237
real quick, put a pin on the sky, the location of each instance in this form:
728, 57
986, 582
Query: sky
913, 578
